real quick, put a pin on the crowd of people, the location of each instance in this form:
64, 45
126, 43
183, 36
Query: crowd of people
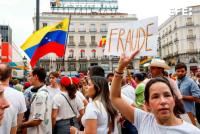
120, 103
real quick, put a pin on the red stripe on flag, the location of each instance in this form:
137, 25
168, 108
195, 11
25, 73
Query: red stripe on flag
51, 47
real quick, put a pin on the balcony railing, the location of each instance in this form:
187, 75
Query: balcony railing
82, 44
115, 58
71, 58
93, 58
83, 58
189, 24
71, 29
103, 30
105, 58
192, 51
93, 30
82, 69
191, 36
71, 44
82, 30
94, 44
71, 69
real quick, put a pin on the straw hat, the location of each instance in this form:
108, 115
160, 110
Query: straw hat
159, 63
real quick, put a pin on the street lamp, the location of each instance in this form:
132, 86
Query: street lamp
25, 67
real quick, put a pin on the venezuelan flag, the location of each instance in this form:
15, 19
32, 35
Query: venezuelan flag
50, 39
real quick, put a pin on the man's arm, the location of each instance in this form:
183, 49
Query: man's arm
13, 130
191, 99
31, 123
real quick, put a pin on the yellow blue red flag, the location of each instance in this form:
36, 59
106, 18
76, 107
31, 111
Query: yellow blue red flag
102, 42
49, 39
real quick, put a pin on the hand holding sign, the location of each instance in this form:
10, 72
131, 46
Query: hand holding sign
132, 36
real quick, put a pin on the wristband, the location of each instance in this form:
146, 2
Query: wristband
119, 72
118, 75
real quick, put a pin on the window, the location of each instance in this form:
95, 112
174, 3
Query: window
71, 53
92, 28
72, 27
71, 39
191, 46
93, 53
82, 39
190, 32
82, 28
189, 20
72, 67
93, 38
103, 28
82, 53
83, 66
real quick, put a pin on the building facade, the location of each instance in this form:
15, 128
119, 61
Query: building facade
6, 38
85, 32
179, 39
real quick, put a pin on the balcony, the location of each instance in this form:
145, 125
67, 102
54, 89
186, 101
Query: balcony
115, 58
94, 58
191, 37
189, 24
59, 59
71, 44
103, 30
83, 58
71, 69
93, 30
82, 30
83, 69
71, 58
72, 29
44, 60
192, 51
105, 58
82, 44
93, 44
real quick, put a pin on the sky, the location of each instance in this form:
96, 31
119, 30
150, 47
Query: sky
18, 13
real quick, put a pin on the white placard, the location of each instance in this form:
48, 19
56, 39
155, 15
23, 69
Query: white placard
131, 36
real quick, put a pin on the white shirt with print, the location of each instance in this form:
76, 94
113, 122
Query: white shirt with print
41, 110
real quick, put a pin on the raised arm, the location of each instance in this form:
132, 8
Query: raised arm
117, 101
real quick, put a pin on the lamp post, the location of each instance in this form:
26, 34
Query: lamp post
25, 65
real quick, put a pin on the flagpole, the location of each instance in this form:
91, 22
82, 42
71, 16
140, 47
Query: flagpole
66, 40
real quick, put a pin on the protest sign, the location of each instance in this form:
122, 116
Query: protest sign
131, 36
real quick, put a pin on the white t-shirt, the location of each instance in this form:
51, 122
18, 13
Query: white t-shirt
52, 91
146, 124
128, 91
96, 110
65, 111
41, 110
124, 97
16, 98
9, 120
80, 95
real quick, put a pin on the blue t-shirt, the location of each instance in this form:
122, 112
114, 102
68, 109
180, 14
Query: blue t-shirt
188, 87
